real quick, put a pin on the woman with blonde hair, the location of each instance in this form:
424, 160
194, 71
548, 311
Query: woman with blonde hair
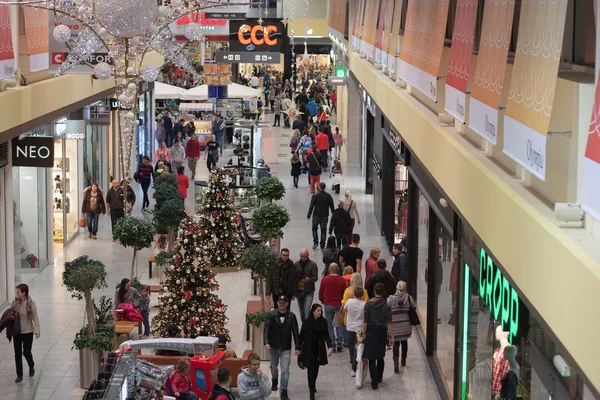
352, 208
354, 314
401, 303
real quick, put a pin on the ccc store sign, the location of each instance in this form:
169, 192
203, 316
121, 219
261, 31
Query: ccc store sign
258, 35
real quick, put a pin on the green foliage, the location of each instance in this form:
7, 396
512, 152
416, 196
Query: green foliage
82, 275
101, 309
169, 215
260, 259
269, 189
256, 319
134, 232
165, 188
163, 257
269, 219
102, 341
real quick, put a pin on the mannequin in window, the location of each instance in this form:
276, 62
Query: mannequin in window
510, 380
500, 365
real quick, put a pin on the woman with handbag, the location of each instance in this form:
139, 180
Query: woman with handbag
28, 326
92, 207
401, 303
352, 208
316, 345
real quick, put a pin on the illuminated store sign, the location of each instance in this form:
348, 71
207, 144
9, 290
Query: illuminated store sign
498, 295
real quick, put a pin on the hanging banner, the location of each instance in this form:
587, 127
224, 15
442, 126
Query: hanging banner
36, 30
459, 65
393, 46
358, 23
423, 45
370, 27
591, 163
533, 83
380, 26
7, 56
387, 28
491, 65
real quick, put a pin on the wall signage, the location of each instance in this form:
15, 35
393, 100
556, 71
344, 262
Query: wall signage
498, 295
70, 129
211, 26
33, 152
250, 36
337, 80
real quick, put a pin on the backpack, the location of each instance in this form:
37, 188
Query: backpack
294, 143
168, 387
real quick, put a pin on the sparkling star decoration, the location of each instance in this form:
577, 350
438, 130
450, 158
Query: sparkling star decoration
260, 21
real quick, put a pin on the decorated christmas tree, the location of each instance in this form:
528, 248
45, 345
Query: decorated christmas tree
219, 239
186, 299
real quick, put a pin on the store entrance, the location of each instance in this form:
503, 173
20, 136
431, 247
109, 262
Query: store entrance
370, 151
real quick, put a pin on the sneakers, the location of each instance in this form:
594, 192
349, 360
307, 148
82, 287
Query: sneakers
315, 246
353, 374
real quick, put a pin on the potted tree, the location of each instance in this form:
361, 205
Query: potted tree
137, 233
81, 276
269, 189
261, 261
169, 209
269, 220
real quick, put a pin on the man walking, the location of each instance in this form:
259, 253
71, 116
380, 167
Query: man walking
218, 130
192, 152
280, 327
352, 255
331, 294
382, 276
308, 274
320, 204
377, 326
253, 384
283, 280
115, 205
399, 270
322, 146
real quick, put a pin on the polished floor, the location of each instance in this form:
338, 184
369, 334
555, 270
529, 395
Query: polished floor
57, 364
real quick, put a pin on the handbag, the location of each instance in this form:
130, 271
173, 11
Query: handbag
338, 319
413, 316
82, 222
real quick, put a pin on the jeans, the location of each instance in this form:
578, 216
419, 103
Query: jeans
342, 240
304, 303
188, 396
352, 349
115, 215
315, 180
316, 221
286, 121
283, 358
376, 371
396, 349
92, 222
324, 155
219, 139
340, 331
338, 150
296, 180
146, 315
22, 345
145, 185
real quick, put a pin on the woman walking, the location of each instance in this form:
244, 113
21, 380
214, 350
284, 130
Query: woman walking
183, 182
353, 303
30, 325
177, 155
316, 345
211, 154
331, 254
162, 150
93, 206
145, 173
192, 152
296, 169
400, 303
352, 208
378, 320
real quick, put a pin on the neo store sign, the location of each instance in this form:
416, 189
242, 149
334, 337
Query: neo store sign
499, 295
33, 152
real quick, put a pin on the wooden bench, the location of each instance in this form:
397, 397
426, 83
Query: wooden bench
254, 306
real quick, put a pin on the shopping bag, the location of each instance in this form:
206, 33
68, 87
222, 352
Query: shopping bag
82, 221
338, 318
362, 366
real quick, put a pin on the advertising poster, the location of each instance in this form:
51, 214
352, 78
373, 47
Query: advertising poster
224, 71
36, 30
423, 45
533, 83
211, 73
369, 32
355, 33
459, 65
361, 25
387, 28
380, 28
392, 48
7, 56
491, 66
591, 163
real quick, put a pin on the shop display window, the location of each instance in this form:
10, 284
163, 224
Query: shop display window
423, 259
71, 188
401, 205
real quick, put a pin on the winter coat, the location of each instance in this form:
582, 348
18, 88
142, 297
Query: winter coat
370, 268
296, 168
400, 306
279, 335
399, 270
180, 383
308, 269
7, 320
220, 393
283, 280
381, 276
330, 255
100, 205
340, 221
320, 203
315, 340
314, 160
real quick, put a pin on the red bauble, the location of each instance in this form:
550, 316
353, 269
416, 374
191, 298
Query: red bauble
219, 196
219, 303
187, 295
215, 214
192, 321
225, 244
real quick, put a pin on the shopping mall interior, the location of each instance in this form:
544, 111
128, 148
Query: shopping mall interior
164, 233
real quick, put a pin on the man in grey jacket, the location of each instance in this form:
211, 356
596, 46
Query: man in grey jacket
253, 384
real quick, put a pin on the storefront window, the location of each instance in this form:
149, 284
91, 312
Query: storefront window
71, 187
423, 258
30, 219
94, 152
401, 208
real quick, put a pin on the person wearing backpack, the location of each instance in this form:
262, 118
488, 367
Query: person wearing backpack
400, 304
331, 254
180, 381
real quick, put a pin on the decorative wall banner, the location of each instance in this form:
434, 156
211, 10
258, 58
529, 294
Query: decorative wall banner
355, 33
533, 83
360, 25
36, 30
591, 163
7, 56
370, 27
491, 65
392, 48
423, 44
459, 65
387, 29
380, 26
338, 18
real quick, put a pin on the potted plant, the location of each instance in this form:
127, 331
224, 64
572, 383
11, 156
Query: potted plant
269, 189
261, 261
32, 260
137, 233
169, 209
269, 220
81, 276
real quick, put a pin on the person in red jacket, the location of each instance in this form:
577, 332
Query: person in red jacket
183, 183
371, 264
221, 390
180, 381
192, 152
331, 294
322, 145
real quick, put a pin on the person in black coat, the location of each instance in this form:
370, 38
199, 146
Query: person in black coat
341, 223
316, 345
381, 276
296, 169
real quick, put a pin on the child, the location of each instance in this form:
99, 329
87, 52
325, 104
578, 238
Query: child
338, 140
348, 271
180, 381
296, 166
144, 309
337, 174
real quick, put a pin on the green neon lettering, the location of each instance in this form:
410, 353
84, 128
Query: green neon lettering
497, 294
465, 337
514, 314
505, 301
482, 269
489, 283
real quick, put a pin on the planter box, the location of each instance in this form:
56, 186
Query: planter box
89, 367
258, 345
225, 270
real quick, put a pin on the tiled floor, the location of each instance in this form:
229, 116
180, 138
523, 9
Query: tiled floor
61, 316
